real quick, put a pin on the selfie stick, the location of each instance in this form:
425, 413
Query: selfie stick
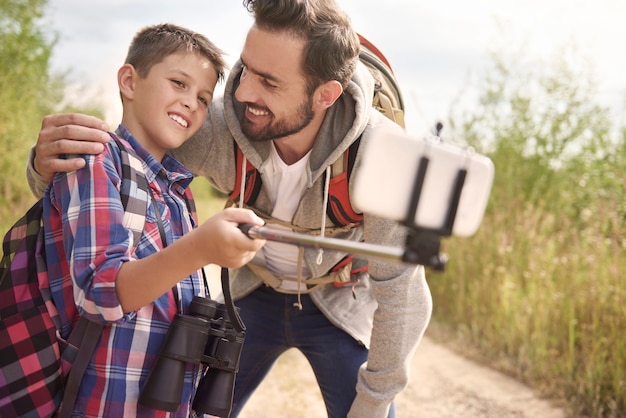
422, 244
328, 243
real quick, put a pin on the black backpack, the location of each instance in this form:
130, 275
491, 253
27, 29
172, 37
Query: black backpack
31, 357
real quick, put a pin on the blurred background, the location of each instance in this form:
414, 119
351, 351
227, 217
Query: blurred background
436, 48
539, 292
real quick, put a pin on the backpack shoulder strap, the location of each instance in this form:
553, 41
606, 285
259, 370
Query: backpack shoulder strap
253, 182
86, 333
133, 190
339, 209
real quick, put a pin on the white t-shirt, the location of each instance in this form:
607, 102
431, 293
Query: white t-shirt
285, 184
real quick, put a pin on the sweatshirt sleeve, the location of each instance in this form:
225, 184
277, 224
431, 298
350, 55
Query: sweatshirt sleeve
404, 308
399, 323
36, 182
400, 320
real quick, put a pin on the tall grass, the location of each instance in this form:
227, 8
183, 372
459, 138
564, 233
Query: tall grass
545, 302
540, 290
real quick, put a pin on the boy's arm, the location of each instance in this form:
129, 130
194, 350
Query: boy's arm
87, 209
216, 241
71, 133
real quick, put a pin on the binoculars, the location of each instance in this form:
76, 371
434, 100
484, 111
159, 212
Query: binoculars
205, 336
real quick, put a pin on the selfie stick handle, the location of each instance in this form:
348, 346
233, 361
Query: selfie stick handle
313, 241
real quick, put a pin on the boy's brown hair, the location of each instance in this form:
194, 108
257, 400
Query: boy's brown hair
153, 44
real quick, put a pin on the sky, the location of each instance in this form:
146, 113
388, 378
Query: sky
435, 47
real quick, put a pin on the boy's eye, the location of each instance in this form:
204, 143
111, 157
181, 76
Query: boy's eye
178, 83
203, 100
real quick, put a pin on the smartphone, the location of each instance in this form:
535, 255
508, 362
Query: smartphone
386, 181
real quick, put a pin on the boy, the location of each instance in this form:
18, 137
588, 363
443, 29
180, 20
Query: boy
95, 268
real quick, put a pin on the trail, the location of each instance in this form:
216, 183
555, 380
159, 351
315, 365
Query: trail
443, 384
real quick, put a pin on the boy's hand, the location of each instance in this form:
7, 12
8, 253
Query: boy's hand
70, 133
224, 243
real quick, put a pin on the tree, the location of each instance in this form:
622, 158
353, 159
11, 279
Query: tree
537, 121
27, 91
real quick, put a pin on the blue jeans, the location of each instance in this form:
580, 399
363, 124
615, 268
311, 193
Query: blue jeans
273, 325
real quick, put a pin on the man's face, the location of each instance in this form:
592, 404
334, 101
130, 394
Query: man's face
273, 87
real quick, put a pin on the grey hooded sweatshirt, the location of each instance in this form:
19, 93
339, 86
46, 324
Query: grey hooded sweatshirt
390, 310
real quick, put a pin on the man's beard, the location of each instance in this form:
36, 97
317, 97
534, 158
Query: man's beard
279, 129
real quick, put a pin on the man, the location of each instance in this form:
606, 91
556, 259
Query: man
295, 101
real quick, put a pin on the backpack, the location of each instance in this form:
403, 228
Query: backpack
387, 100
387, 95
32, 359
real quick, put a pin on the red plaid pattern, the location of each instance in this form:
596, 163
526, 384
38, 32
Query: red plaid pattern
30, 379
31, 373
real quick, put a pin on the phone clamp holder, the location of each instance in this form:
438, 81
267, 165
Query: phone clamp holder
423, 244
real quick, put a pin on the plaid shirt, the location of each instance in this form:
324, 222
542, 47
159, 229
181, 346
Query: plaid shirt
86, 244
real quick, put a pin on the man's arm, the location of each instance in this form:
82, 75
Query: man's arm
60, 134
401, 318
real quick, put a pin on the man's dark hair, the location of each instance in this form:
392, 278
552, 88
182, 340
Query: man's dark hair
332, 45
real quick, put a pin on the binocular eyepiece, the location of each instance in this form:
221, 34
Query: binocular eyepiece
205, 336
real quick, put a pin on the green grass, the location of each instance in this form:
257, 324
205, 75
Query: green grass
543, 300
208, 200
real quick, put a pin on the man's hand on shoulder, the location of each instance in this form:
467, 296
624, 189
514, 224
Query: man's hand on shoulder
69, 133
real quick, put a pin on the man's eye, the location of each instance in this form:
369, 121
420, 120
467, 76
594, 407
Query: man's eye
268, 84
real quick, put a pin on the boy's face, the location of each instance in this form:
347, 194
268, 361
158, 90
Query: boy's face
273, 87
164, 109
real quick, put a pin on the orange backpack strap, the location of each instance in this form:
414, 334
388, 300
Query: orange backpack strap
339, 208
357, 267
253, 179
191, 205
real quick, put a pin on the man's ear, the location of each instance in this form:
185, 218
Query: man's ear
126, 77
328, 93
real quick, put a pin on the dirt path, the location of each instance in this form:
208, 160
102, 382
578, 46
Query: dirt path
443, 385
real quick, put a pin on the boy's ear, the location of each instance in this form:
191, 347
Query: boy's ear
126, 77
328, 93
